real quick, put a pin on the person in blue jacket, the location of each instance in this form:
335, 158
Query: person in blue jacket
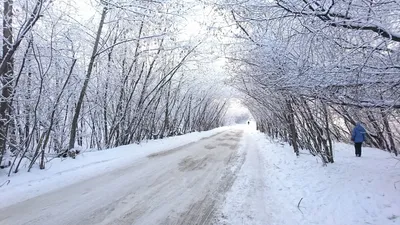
358, 137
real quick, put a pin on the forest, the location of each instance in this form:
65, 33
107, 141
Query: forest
312, 69
100, 74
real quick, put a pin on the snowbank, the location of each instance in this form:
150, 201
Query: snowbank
63, 172
351, 191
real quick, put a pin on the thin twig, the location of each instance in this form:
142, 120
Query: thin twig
277, 166
298, 206
5, 183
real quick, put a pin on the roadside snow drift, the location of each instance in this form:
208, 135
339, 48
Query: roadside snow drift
275, 187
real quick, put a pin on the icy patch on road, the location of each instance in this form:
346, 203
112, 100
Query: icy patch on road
275, 187
63, 172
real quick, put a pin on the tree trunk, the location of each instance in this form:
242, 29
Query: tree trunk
74, 124
292, 127
7, 62
389, 132
6, 75
380, 139
328, 135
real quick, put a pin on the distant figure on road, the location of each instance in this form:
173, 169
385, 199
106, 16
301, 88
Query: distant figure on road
248, 122
358, 137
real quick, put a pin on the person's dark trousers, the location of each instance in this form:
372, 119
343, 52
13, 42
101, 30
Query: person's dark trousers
358, 148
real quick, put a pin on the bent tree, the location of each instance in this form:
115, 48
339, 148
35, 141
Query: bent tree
82, 94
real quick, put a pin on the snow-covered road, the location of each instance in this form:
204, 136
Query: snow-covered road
178, 186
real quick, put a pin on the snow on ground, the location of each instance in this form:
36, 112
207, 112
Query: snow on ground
269, 187
352, 191
63, 172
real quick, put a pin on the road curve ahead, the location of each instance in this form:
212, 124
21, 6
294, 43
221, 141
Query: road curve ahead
180, 186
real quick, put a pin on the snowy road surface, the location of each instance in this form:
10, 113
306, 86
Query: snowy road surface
179, 186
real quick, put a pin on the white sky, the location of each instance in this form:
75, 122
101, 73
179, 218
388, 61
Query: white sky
85, 8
